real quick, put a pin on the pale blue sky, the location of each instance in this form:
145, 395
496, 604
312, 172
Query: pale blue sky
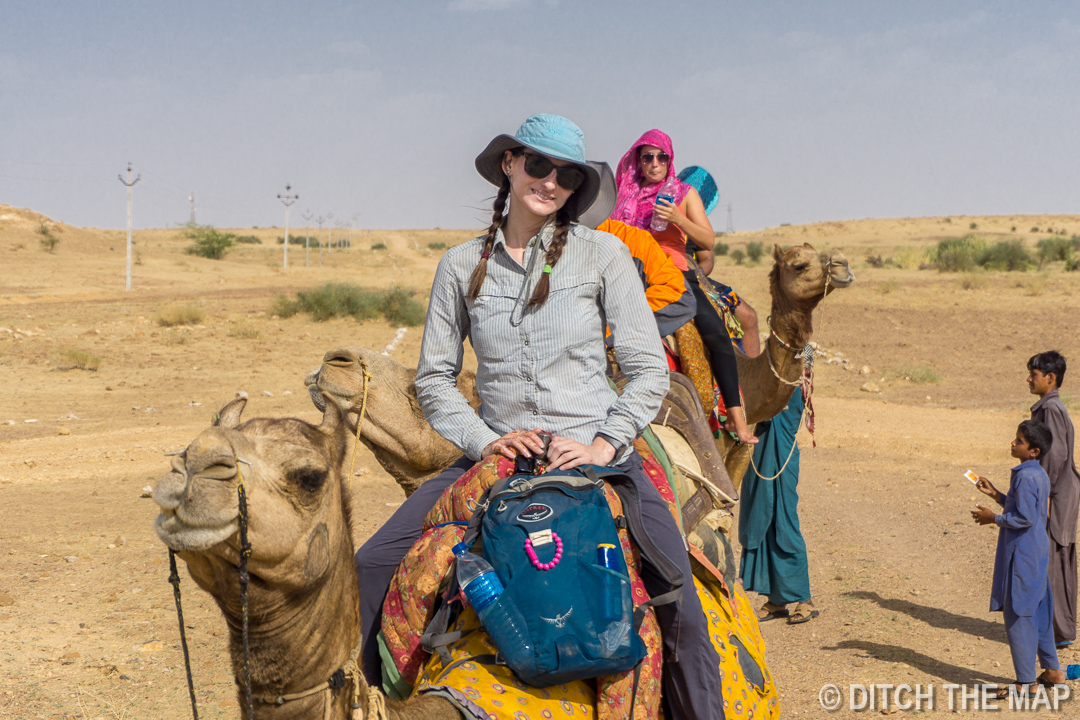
803, 111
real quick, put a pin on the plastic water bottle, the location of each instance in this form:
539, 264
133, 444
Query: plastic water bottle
607, 556
1072, 672
505, 624
666, 192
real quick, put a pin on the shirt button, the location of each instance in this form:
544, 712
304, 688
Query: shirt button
535, 412
526, 342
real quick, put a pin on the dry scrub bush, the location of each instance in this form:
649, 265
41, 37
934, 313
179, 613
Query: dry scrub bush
76, 359
1034, 285
48, 240
244, 330
179, 314
887, 287
910, 258
974, 281
176, 338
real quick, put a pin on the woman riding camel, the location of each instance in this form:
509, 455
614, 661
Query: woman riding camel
642, 170
532, 295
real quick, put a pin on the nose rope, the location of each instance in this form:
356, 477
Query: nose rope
360, 421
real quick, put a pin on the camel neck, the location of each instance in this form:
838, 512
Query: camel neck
282, 622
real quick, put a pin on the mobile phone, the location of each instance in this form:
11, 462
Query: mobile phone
972, 477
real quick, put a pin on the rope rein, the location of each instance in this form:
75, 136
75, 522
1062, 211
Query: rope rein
174, 580
359, 422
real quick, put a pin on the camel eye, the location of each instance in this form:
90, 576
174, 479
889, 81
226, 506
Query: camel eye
800, 267
309, 478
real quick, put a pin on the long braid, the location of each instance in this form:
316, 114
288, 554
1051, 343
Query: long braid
558, 242
476, 281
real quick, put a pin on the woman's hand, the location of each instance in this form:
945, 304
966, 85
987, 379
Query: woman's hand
983, 515
525, 442
566, 453
669, 212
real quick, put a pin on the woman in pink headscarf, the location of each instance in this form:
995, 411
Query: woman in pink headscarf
642, 171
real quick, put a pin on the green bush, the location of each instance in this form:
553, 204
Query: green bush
1072, 264
76, 359
48, 240
972, 226
958, 254
248, 240
293, 240
378, 246
283, 307
208, 242
401, 308
1006, 255
738, 256
337, 300
720, 249
755, 251
436, 246
1057, 248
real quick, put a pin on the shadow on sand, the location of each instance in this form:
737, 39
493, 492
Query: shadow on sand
931, 666
936, 617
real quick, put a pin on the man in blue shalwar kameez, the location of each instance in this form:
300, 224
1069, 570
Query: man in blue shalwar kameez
1021, 588
774, 561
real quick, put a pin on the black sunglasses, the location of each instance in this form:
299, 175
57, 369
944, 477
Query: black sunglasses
569, 177
663, 157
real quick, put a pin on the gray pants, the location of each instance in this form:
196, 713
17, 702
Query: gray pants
692, 689
1063, 588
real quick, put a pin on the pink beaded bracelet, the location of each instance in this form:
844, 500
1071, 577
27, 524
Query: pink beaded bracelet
536, 561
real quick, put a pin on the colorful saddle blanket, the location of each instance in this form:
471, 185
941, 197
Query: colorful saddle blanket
488, 690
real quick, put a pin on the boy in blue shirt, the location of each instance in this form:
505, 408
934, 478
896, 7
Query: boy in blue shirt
1021, 587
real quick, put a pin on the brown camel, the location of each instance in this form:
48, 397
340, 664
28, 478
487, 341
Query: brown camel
800, 279
394, 427
303, 596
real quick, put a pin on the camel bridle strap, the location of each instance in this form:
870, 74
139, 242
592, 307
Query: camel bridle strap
360, 420
245, 578
174, 580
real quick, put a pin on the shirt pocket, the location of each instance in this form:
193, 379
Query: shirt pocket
490, 332
571, 314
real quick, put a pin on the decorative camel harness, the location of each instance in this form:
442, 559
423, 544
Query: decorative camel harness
349, 670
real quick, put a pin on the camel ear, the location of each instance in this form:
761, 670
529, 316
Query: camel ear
332, 417
808, 246
229, 416
777, 253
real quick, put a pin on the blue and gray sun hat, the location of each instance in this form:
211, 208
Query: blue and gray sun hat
550, 135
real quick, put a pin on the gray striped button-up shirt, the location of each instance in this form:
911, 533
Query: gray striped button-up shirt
541, 367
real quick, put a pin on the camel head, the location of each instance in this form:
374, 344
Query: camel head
804, 276
341, 378
291, 472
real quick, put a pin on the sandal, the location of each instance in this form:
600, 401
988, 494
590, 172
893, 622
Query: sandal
1045, 682
804, 612
769, 611
1004, 691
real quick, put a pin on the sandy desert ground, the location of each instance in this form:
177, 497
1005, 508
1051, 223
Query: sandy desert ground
898, 569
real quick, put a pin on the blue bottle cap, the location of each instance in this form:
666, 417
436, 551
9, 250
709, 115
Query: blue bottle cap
461, 548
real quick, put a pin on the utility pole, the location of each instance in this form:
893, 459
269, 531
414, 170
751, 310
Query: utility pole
329, 232
356, 224
307, 221
191, 198
730, 224
129, 183
287, 200
320, 220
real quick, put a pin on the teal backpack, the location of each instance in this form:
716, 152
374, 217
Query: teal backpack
555, 547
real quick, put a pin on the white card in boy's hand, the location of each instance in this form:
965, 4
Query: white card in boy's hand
972, 477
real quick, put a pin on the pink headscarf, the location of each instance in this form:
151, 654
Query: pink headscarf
635, 203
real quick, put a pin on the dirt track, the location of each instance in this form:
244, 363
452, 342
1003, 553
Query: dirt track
901, 574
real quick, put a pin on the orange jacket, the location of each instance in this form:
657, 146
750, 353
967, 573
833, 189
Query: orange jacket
665, 282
